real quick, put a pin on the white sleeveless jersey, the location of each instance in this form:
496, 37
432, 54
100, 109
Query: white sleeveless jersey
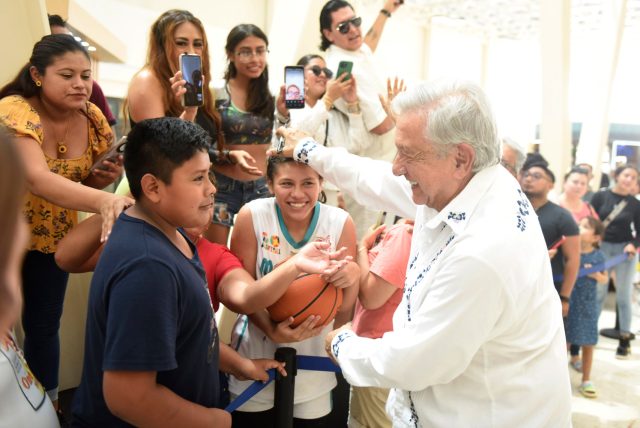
275, 245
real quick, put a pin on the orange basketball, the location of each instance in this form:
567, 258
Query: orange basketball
307, 295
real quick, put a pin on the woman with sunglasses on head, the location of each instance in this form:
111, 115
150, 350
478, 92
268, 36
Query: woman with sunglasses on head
247, 108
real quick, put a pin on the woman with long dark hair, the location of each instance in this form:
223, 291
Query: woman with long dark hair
59, 135
247, 109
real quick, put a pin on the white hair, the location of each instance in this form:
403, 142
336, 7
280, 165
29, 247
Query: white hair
521, 153
455, 112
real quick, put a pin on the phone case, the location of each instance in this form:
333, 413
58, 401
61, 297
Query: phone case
191, 67
111, 154
344, 66
294, 87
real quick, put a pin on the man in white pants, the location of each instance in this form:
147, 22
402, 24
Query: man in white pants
478, 338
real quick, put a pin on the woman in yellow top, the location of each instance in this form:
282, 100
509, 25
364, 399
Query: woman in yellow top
59, 135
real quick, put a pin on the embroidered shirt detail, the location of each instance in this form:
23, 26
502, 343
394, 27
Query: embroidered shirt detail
523, 211
335, 348
457, 217
414, 414
303, 154
408, 290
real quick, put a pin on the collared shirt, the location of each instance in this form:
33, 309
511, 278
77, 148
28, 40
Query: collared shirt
478, 337
370, 85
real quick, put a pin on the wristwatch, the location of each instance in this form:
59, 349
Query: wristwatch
564, 299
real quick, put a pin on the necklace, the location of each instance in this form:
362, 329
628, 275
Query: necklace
62, 146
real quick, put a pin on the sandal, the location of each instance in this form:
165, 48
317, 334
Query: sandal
588, 390
576, 365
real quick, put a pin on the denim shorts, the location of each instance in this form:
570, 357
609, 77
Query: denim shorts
233, 194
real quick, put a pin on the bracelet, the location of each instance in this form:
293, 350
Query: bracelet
328, 103
385, 12
221, 157
282, 119
564, 299
353, 108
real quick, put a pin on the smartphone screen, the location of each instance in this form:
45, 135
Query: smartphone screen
344, 66
294, 86
191, 67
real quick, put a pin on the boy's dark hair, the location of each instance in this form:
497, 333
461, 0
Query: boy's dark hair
56, 21
325, 19
159, 146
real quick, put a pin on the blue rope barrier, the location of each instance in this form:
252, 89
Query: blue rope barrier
616, 260
304, 362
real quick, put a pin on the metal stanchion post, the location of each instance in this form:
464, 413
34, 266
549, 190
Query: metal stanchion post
285, 387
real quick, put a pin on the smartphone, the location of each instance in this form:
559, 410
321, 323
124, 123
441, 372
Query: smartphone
558, 242
110, 155
294, 86
344, 66
191, 67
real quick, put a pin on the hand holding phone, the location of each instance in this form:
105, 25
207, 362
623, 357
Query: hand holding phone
344, 67
191, 68
110, 155
294, 86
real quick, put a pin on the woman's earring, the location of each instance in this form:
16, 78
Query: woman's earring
38, 83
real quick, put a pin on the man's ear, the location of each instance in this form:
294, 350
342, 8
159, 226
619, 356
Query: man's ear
150, 186
327, 34
465, 156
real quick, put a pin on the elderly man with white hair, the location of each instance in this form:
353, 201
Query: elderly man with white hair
513, 156
478, 338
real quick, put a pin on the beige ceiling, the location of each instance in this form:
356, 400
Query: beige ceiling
513, 19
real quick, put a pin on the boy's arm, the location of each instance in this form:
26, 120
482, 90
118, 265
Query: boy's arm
80, 249
136, 398
247, 369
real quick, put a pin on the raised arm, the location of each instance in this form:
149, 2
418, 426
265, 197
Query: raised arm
375, 32
370, 182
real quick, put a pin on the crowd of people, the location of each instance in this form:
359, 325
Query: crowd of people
432, 330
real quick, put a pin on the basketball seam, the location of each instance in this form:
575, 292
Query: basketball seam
313, 300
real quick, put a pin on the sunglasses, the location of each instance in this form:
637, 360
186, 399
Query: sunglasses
343, 27
316, 69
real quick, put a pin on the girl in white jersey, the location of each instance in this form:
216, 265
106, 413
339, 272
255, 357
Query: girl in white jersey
267, 231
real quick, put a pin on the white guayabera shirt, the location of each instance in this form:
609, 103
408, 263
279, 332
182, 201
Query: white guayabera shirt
478, 338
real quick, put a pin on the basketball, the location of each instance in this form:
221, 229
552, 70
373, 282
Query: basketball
307, 295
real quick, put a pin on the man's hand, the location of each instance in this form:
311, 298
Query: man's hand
392, 5
291, 137
329, 338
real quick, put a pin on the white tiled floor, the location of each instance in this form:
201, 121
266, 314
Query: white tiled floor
617, 382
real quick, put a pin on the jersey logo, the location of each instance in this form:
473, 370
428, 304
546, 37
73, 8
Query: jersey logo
271, 243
